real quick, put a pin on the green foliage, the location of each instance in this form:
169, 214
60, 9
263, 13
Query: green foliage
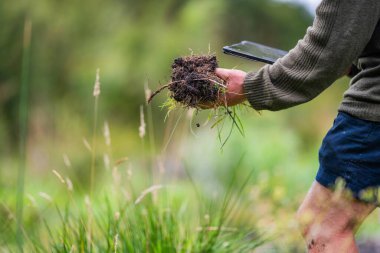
274, 23
121, 218
156, 220
130, 41
133, 43
169, 105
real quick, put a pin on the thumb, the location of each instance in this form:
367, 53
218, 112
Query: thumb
223, 73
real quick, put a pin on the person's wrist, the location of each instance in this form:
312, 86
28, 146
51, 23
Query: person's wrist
247, 84
242, 97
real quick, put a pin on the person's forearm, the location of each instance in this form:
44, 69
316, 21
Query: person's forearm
339, 34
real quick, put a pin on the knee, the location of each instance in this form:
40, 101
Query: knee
317, 223
319, 231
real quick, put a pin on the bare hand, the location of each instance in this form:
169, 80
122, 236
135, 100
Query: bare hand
235, 91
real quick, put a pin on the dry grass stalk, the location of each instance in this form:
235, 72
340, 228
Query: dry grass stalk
96, 92
106, 160
142, 126
107, 134
45, 196
87, 144
151, 189
120, 161
66, 160
69, 184
59, 176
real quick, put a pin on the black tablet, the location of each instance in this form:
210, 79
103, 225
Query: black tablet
255, 51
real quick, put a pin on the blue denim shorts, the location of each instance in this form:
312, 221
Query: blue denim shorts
351, 151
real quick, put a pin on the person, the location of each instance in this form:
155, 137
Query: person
344, 32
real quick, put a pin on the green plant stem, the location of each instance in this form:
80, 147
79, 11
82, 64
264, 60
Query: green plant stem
23, 131
92, 175
151, 131
152, 143
172, 133
93, 149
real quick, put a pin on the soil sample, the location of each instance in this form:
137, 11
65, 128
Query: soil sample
194, 83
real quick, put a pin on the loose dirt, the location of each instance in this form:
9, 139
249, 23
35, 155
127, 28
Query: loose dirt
193, 82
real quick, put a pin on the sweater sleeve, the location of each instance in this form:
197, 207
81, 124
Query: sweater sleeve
339, 34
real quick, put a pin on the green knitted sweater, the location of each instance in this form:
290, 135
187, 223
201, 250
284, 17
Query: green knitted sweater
344, 32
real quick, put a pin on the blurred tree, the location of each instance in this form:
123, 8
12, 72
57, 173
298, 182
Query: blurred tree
277, 24
10, 52
131, 41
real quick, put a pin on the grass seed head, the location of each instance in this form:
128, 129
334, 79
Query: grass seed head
45, 196
107, 161
96, 92
69, 184
32, 200
66, 160
148, 92
60, 178
87, 144
142, 123
107, 134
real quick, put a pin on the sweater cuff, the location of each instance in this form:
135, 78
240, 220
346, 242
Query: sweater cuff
255, 92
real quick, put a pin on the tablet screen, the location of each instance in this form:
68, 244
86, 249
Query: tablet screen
255, 51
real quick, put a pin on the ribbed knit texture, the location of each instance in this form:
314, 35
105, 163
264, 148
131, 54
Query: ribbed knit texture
344, 32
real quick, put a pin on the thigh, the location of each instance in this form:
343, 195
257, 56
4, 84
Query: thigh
332, 212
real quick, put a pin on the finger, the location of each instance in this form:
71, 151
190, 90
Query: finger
223, 73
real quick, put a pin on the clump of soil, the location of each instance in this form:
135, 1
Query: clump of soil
194, 83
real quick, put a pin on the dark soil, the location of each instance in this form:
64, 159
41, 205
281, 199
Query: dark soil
194, 83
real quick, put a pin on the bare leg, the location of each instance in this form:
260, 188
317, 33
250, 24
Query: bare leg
329, 220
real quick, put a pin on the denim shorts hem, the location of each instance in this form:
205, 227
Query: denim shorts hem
329, 180
324, 178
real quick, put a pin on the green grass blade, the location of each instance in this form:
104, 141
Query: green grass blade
23, 119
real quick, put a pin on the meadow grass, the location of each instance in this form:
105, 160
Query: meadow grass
123, 211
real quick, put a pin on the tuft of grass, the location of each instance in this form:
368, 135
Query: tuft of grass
166, 223
216, 118
170, 105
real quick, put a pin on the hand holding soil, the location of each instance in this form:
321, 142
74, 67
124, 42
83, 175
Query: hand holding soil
234, 81
197, 82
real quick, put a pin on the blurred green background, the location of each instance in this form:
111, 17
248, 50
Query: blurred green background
133, 43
